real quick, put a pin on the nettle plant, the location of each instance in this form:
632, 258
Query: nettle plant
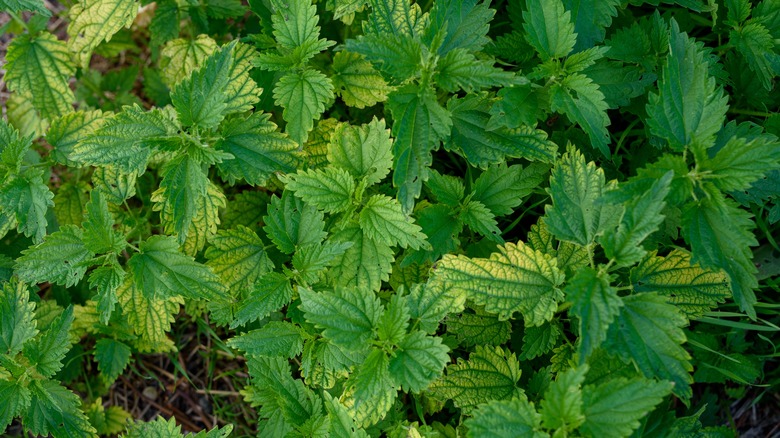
469, 225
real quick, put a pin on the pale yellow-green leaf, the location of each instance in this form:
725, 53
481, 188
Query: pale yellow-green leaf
357, 82
316, 148
69, 202
242, 92
22, 115
691, 288
515, 279
180, 57
206, 220
150, 318
95, 21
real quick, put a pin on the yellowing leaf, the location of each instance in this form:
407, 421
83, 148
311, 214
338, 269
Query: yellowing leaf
515, 279
95, 21
357, 82
180, 57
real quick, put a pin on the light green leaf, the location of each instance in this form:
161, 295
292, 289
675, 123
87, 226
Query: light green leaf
242, 92
418, 361
514, 279
150, 316
596, 304
549, 28
342, 425
689, 108
501, 188
16, 399
69, 202
383, 221
55, 409
461, 70
505, 419
66, 131
347, 315
482, 147
641, 217
582, 101
271, 292
161, 271
465, 23
420, 123
95, 21
276, 338
561, 407
720, 235
394, 321
304, 96
364, 151
613, 409
258, 149
40, 65
26, 199
479, 328
446, 189
295, 25
206, 220
47, 350
311, 261
106, 280
180, 57
691, 288
328, 189
200, 99
431, 302
365, 265
370, 391
112, 357
17, 320
575, 186
291, 223
124, 140
357, 82
741, 162
490, 373
238, 257
99, 235
481, 220
648, 332
24, 5
62, 259
399, 57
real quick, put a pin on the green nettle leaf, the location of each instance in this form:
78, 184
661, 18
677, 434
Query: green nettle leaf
501, 188
517, 278
304, 96
479, 219
648, 332
26, 199
242, 92
357, 82
55, 409
112, 357
24, 5
479, 328
419, 124
271, 292
446, 189
291, 223
383, 221
590, 18
328, 189
99, 235
398, 56
48, 349
62, 258
720, 235
180, 57
258, 149
755, 42
575, 186
16, 399
418, 361
641, 217
66, 131
124, 140
17, 320
505, 419
691, 288
549, 28
347, 315
206, 220
370, 391
69, 203
200, 99
483, 147
364, 151
613, 409
596, 304
490, 373
431, 302
106, 281
365, 264
276, 338
561, 407
582, 101
461, 70
741, 162
238, 257
342, 425
161, 271
539, 340
39, 65
95, 21
689, 108
150, 316
182, 187
116, 185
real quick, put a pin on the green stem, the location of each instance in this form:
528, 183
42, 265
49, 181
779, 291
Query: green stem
749, 112
18, 20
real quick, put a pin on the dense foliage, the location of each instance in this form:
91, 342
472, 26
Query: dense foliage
445, 218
